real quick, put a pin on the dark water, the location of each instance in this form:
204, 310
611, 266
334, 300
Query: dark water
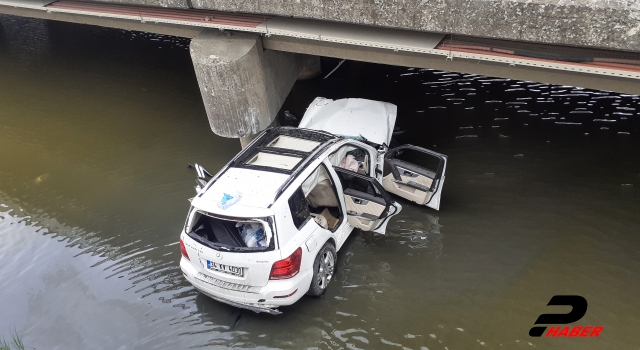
96, 129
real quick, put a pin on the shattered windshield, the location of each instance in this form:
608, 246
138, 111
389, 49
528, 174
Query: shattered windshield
233, 234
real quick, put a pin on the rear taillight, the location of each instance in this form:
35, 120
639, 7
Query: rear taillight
183, 250
287, 268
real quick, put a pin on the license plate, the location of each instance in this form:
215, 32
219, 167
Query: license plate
231, 270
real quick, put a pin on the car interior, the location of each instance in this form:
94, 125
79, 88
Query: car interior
216, 232
351, 158
320, 194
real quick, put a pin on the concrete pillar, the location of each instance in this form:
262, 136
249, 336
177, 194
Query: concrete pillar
243, 86
245, 141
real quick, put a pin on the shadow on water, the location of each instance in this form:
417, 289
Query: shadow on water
96, 129
439, 105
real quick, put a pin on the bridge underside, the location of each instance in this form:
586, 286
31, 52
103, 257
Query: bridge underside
590, 68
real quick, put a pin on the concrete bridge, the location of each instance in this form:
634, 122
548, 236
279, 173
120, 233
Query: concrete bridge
248, 53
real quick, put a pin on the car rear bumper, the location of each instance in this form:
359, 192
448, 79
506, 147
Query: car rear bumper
264, 299
253, 308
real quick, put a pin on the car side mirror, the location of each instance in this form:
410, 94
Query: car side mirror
203, 176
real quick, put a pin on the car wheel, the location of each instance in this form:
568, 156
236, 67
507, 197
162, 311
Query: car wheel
323, 269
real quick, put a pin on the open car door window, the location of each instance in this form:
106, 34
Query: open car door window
368, 205
415, 173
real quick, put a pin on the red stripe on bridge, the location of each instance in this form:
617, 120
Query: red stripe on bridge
186, 15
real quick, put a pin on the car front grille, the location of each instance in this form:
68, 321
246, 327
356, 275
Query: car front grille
227, 285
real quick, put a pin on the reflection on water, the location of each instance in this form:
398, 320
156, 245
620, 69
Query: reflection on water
422, 234
97, 127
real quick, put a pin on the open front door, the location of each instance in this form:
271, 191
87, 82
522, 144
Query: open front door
368, 205
415, 173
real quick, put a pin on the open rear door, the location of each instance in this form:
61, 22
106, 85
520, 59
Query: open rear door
415, 173
369, 206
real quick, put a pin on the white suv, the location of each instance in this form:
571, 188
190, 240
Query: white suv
265, 230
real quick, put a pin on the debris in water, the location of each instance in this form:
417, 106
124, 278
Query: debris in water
40, 178
344, 313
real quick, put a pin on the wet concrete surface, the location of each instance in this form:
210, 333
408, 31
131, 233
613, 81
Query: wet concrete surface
97, 127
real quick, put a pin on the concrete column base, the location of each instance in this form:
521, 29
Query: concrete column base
243, 86
245, 141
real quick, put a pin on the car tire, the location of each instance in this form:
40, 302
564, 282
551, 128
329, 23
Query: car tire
324, 268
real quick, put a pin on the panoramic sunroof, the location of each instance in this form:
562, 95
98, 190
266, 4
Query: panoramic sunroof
274, 160
294, 143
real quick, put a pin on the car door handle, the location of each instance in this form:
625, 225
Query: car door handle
360, 201
405, 172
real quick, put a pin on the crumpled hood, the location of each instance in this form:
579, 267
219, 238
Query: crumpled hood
373, 120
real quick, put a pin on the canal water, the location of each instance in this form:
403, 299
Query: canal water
97, 126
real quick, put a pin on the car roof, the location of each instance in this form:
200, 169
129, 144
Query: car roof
256, 189
263, 170
298, 143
